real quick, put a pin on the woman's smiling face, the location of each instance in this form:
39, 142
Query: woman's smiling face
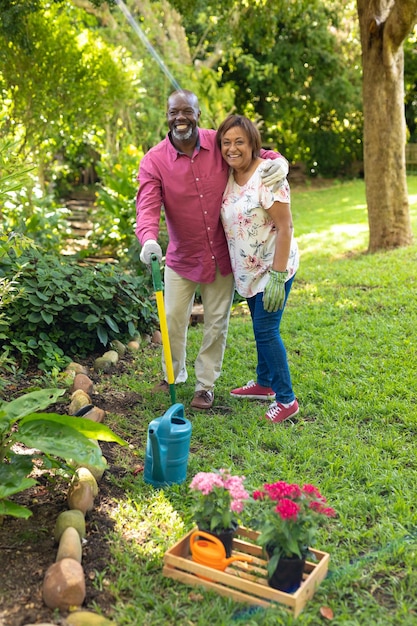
236, 148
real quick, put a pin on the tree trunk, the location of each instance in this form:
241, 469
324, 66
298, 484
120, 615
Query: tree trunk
384, 24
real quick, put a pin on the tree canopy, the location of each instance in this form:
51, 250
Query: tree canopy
78, 86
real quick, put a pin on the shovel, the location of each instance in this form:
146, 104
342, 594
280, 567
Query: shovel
157, 285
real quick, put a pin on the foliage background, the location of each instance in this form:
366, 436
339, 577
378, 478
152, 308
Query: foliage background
294, 67
82, 99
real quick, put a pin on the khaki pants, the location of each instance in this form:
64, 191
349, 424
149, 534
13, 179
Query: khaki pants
217, 299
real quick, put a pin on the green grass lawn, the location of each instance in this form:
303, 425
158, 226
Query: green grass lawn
350, 332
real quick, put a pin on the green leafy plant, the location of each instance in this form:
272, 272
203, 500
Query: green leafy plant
27, 210
114, 223
288, 516
9, 290
54, 437
217, 498
114, 219
65, 309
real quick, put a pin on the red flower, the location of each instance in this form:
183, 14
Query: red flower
287, 509
313, 491
281, 489
289, 516
324, 510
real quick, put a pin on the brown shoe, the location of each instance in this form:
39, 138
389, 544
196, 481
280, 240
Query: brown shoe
161, 386
202, 399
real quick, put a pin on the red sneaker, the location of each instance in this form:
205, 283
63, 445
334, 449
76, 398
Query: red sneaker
253, 391
277, 412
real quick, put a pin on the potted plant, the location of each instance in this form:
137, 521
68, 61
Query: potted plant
218, 497
288, 517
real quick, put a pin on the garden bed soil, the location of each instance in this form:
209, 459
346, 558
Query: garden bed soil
27, 547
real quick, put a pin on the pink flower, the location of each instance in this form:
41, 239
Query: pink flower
252, 262
218, 496
236, 506
205, 481
234, 484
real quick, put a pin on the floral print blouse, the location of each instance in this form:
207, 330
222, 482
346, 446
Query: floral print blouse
250, 232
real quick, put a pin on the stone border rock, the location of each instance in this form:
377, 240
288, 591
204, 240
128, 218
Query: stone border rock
64, 585
64, 582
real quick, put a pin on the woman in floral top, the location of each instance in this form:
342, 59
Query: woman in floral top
264, 256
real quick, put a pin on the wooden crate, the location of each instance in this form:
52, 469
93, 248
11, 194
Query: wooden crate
243, 581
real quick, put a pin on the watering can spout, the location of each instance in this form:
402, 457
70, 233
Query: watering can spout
159, 458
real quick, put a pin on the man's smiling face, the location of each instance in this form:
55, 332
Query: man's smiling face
182, 115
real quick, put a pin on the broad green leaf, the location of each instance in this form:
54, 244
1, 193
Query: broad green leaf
293, 546
60, 440
90, 429
31, 402
19, 466
7, 490
34, 300
15, 510
42, 296
13, 475
47, 317
102, 334
35, 317
55, 307
78, 316
91, 319
110, 321
273, 563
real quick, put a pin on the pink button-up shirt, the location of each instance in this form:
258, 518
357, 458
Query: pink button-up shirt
190, 189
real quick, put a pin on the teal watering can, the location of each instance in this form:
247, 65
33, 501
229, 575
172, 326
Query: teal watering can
167, 448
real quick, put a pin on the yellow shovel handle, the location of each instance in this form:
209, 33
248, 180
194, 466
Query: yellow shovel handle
165, 337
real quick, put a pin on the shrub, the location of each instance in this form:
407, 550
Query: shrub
114, 215
65, 310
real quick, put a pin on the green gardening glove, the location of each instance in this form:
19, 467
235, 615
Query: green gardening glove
274, 293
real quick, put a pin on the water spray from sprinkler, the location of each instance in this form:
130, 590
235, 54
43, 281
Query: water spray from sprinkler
146, 42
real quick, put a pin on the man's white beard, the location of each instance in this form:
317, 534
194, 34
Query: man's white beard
182, 136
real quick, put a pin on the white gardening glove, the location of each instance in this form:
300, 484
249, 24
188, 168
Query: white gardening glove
274, 172
149, 248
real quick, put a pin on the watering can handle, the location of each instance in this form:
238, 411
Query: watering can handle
200, 534
176, 410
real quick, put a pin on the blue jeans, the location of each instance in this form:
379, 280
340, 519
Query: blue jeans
272, 369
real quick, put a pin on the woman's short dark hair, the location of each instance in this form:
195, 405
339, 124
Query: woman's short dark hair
249, 127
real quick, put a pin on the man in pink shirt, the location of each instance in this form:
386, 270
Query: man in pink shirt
186, 175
